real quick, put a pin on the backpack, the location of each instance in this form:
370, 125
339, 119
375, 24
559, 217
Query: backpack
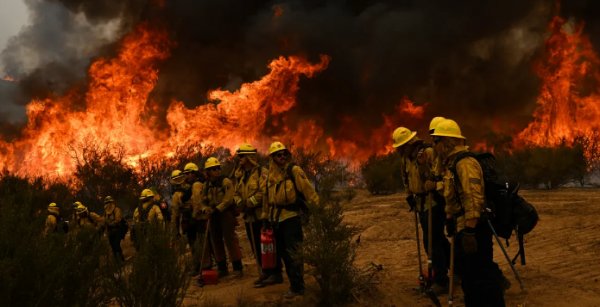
300, 205
506, 209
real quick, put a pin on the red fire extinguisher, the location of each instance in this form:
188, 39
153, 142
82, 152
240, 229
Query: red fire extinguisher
267, 248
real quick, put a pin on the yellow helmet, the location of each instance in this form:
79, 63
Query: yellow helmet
246, 149
109, 199
53, 208
211, 162
401, 136
448, 128
177, 177
77, 204
146, 194
190, 167
434, 122
81, 209
275, 147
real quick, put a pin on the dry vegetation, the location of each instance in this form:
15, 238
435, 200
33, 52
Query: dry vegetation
360, 248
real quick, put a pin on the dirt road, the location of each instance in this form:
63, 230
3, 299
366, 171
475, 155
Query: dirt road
563, 255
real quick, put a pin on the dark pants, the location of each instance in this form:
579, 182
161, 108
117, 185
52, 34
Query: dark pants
256, 228
480, 275
440, 246
288, 239
114, 239
193, 229
222, 234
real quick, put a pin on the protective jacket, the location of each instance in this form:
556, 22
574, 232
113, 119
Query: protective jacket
51, 223
464, 197
279, 202
218, 194
176, 204
419, 167
112, 217
249, 192
90, 219
149, 212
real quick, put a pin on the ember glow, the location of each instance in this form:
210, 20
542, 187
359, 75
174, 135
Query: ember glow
117, 113
568, 105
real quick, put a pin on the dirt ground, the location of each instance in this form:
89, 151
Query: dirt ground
563, 256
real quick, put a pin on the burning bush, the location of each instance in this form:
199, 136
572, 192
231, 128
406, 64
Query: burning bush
382, 174
103, 171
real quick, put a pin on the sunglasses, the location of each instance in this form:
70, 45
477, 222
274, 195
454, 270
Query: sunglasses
436, 140
214, 169
279, 155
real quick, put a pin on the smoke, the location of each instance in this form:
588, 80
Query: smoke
468, 60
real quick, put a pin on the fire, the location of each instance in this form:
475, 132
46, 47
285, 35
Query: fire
568, 106
9, 78
111, 112
116, 112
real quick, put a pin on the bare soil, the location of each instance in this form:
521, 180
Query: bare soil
563, 256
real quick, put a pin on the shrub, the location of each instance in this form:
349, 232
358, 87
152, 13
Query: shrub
329, 248
60, 270
157, 275
382, 174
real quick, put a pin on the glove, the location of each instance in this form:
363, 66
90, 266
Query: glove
450, 227
412, 202
207, 210
469, 241
429, 185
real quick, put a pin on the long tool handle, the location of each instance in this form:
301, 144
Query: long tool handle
421, 278
256, 252
430, 245
512, 267
451, 287
204, 245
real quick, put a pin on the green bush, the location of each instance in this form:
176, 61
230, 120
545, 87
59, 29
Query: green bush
156, 277
328, 247
382, 174
547, 166
37, 270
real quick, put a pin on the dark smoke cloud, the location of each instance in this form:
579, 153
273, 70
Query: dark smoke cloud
470, 60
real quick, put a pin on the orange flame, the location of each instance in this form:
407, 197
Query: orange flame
9, 78
568, 106
116, 112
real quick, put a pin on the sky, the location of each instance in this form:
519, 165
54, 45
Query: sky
13, 16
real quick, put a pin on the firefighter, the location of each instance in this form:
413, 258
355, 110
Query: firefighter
177, 187
146, 212
114, 228
474, 262
85, 218
218, 204
250, 180
54, 222
187, 206
418, 160
281, 205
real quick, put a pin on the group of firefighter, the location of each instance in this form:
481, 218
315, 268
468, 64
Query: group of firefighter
447, 192
443, 193
204, 208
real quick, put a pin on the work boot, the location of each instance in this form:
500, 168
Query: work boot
290, 294
273, 279
261, 278
222, 269
439, 289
